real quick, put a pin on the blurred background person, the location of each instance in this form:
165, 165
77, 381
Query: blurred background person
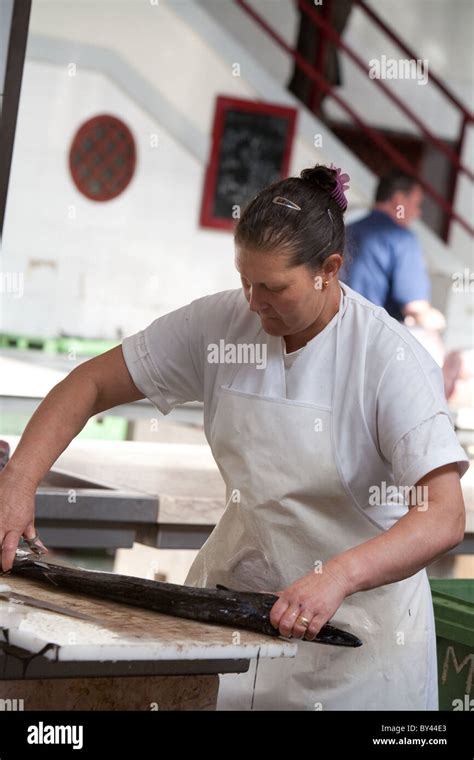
384, 258
384, 262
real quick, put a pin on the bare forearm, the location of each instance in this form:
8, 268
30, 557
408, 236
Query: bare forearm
58, 419
415, 541
415, 307
422, 314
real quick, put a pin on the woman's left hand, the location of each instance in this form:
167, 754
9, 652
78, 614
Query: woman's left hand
315, 598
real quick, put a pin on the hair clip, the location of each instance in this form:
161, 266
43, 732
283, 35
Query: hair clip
341, 186
280, 201
330, 215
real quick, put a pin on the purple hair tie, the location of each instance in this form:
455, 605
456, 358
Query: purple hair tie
338, 193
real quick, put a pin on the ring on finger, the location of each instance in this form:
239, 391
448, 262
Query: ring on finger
303, 621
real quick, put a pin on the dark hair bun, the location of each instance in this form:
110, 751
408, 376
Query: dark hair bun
320, 177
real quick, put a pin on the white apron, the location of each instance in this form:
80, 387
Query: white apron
287, 511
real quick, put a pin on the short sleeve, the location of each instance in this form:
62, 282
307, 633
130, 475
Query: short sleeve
414, 428
410, 281
165, 360
429, 445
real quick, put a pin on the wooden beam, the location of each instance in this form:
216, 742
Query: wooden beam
11, 97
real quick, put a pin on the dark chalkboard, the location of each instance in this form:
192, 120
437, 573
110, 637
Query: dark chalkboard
251, 149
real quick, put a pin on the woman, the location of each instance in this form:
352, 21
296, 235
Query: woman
323, 414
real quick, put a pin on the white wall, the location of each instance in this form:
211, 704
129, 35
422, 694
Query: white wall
114, 266
119, 264
108, 268
439, 31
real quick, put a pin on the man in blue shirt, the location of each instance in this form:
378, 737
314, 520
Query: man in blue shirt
384, 260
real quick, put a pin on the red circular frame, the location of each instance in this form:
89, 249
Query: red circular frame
102, 158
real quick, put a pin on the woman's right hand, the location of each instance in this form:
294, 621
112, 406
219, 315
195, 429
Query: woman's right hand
94, 386
17, 515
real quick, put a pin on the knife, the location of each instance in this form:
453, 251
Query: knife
23, 599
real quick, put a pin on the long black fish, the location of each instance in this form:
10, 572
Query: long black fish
239, 609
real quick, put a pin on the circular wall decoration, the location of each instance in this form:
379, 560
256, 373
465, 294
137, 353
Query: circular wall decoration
102, 158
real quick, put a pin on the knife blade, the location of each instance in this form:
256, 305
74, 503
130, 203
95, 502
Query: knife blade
24, 599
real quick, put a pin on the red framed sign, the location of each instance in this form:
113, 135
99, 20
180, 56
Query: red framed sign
102, 158
251, 148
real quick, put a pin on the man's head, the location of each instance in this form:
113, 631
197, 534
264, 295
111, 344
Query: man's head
400, 196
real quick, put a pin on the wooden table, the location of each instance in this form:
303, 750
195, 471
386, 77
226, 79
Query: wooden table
126, 658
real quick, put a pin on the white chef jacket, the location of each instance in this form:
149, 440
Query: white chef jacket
391, 421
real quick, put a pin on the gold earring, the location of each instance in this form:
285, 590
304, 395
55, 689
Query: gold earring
326, 283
